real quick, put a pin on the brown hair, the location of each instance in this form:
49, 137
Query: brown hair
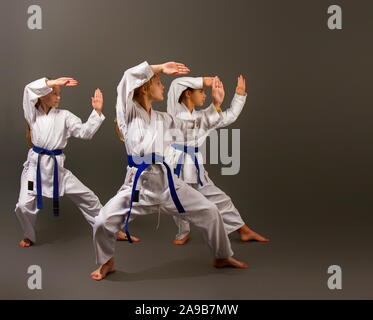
117, 131
28, 135
146, 85
183, 94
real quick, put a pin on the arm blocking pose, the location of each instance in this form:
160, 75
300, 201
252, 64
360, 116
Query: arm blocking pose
149, 186
44, 174
184, 95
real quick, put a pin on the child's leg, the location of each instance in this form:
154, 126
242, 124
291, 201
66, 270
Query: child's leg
87, 202
205, 215
84, 198
231, 217
26, 212
183, 230
108, 223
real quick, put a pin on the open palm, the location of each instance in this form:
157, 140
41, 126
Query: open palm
174, 68
97, 100
64, 81
218, 92
241, 85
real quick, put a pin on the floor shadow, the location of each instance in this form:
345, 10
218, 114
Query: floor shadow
176, 269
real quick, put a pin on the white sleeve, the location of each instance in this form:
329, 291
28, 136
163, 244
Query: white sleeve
132, 78
176, 89
231, 114
209, 118
86, 130
33, 91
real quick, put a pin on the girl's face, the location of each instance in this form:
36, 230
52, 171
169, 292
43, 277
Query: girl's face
197, 97
156, 90
52, 99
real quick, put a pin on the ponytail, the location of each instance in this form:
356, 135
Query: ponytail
119, 134
28, 135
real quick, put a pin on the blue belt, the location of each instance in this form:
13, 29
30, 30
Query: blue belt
52, 153
141, 163
192, 152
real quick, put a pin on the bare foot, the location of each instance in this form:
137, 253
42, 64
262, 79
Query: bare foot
183, 240
230, 263
103, 270
25, 243
121, 236
246, 234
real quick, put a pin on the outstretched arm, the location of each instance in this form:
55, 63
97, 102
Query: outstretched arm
86, 130
231, 114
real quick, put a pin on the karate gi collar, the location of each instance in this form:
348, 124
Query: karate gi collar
184, 112
144, 112
41, 111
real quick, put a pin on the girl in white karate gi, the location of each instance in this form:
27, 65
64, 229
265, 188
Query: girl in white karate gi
44, 173
145, 136
184, 95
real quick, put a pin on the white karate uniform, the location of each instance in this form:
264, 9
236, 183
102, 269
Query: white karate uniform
51, 131
144, 134
231, 217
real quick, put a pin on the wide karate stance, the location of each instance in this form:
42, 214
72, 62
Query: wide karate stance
44, 174
150, 186
184, 95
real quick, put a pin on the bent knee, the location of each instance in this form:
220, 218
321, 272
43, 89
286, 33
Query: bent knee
210, 210
110, 223
24, 207
100, 221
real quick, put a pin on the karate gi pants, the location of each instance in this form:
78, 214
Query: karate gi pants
231, 217
198, 211
26, 209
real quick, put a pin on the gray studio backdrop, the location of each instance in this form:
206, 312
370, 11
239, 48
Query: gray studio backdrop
306, 172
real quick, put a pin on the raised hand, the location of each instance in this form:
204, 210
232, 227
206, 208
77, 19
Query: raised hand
174, 68
218, 92
64, 81
207, 81
98, 101
241, 85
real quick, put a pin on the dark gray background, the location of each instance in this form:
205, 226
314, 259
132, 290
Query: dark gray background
306, 154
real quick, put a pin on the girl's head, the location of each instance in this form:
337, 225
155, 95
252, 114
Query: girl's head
153, 90
52, 99
194, 97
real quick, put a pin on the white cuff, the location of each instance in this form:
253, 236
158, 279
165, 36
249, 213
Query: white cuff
96, 116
